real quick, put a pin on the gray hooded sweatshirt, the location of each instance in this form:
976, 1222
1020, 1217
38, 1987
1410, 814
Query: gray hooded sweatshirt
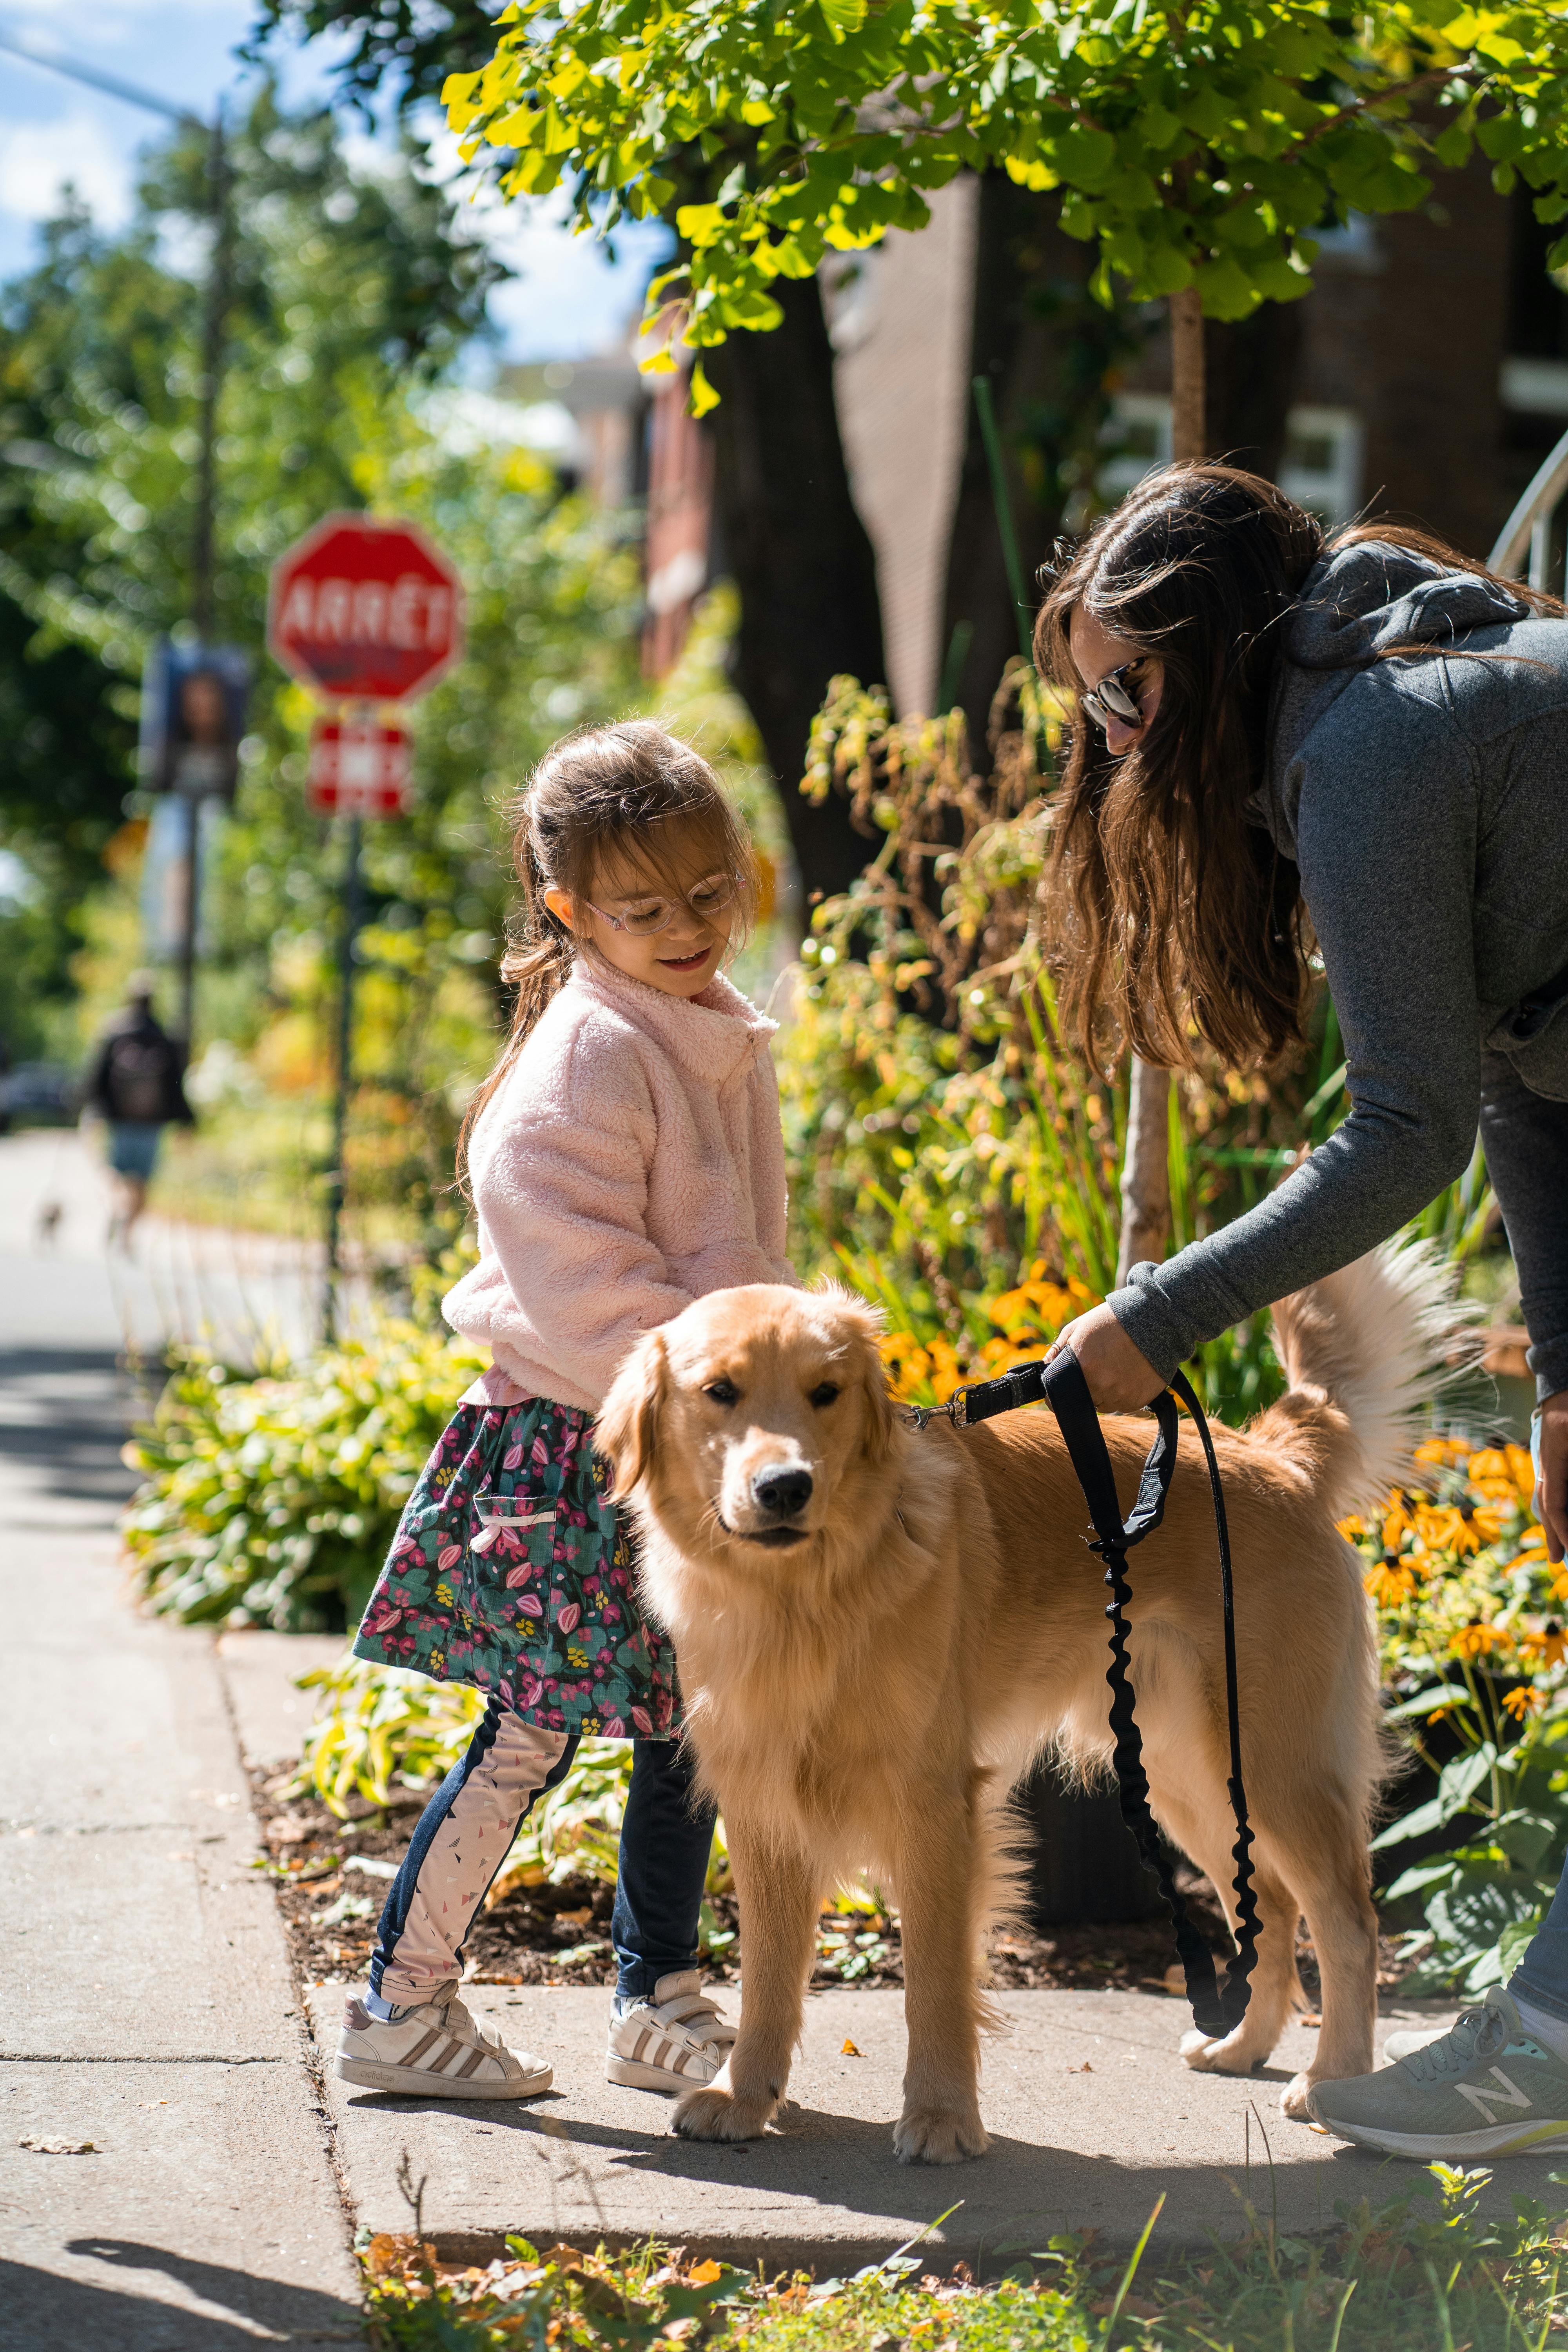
1426, 803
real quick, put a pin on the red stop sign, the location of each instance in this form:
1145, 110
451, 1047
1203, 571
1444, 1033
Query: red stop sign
365, 610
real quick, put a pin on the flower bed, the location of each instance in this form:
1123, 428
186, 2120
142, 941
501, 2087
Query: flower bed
1473, 1646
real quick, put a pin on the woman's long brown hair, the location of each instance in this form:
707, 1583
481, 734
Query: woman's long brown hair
1170, 906
629, 800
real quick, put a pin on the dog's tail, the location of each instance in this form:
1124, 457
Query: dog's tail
1363, 1351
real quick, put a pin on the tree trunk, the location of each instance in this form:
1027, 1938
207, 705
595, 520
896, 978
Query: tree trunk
1046, 347
1189, 440
1145, 1170
1145, 1165
791, 539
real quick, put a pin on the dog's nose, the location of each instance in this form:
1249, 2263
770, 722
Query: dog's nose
781, 1490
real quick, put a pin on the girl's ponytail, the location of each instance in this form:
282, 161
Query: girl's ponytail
605, 794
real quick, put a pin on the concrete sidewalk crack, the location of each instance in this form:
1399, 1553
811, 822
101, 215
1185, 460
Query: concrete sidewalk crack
136, 2058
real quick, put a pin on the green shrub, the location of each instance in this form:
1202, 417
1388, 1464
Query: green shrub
271, 1498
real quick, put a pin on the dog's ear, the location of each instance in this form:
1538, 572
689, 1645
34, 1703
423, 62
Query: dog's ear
626, 1430
881, 1413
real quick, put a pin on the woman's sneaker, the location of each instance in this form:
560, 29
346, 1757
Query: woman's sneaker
675, 2041
1484, 2088
1408, 2040
435, 2050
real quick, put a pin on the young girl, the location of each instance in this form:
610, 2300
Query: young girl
626, 1158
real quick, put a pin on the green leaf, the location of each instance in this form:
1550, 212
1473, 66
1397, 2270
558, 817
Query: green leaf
1425, 1701
1423, 1874
1227, 288
1158, 127
1527, 1838
1456, 1786
1516, 1940
1084, 157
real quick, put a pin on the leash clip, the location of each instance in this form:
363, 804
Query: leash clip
921, 1416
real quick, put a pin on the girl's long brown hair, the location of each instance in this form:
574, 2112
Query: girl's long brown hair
625, 800
1170, 906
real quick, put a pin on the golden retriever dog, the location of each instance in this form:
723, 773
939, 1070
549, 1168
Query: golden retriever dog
879, 1629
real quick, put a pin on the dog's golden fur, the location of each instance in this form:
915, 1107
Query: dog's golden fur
865, 1680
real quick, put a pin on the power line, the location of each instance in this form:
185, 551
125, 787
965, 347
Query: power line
25, 44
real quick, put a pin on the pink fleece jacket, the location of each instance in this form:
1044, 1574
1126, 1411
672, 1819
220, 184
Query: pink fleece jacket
630, 1162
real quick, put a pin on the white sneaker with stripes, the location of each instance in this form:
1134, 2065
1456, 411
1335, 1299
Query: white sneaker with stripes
437, 2051
675, 2041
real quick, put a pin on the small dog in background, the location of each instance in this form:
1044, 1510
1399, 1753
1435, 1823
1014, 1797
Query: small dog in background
46, 1226
879, 1629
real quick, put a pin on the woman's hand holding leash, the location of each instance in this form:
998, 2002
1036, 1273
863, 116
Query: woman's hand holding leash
1120, 1379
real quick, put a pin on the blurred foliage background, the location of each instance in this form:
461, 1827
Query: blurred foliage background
358, 311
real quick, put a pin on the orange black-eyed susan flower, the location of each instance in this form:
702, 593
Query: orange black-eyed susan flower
1522, 1700
1391, 1581
1478, 1639
1549, 1643
1443, 1453
1502, 1473
1445, 1527
1397, 1523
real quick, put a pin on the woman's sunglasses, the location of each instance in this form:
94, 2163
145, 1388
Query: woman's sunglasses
1109, 700
645, 916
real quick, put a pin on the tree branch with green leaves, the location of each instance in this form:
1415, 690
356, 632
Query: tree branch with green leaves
1198, 146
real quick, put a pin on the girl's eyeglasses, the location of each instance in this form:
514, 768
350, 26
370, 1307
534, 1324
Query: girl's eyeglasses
645, 915
1109, 700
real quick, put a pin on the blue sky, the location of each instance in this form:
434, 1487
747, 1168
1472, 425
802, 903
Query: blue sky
567, 302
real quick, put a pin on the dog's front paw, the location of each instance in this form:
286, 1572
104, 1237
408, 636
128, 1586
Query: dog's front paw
713, 2114
938, 2136
1227, 2056
1295, 2099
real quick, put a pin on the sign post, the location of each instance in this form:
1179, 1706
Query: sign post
366, 613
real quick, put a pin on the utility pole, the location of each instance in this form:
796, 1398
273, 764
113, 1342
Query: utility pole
214, 318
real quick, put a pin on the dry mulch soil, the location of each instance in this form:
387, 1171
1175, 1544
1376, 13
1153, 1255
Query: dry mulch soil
332, 1876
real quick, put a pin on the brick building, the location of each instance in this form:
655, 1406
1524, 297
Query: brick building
1427, 375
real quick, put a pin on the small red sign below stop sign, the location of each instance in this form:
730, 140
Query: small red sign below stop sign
365, 610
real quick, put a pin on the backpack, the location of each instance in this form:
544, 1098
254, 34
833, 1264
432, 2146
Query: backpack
141, 1079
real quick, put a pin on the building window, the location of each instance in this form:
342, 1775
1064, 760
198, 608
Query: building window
1321, 464
1137, 439
1320, 469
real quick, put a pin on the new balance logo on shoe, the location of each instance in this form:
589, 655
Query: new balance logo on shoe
1508, 2094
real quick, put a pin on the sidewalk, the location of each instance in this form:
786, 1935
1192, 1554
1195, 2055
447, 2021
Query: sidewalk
151, 2011
180, 1281
1091, 2112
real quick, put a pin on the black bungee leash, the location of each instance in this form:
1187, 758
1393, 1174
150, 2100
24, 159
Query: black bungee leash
1217, 2009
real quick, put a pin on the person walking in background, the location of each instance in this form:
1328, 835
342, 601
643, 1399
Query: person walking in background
135, 1083
625, 1157
1356, 746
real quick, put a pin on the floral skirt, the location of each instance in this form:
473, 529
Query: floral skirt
510, 1571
